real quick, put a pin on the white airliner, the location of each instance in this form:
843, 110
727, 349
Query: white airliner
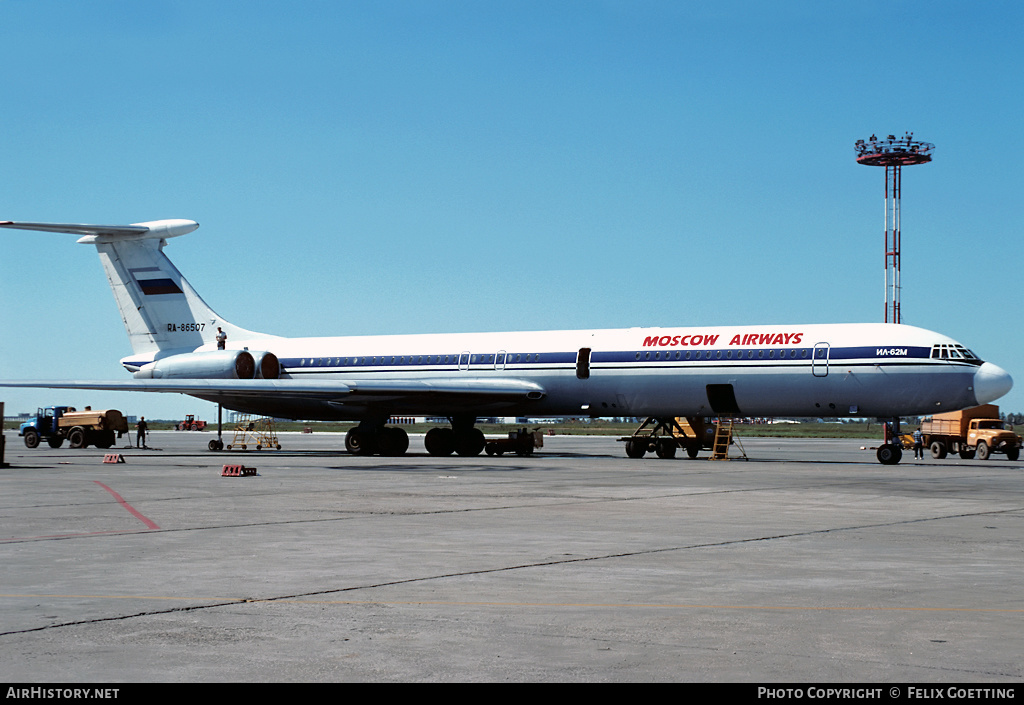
865, 370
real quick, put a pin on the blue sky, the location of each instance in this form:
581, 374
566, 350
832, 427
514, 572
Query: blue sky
435, 166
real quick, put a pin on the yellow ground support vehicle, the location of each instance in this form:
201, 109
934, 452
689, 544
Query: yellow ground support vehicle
666, 436
976, 432
522, 442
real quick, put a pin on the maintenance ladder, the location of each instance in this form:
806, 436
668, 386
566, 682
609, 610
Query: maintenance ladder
724, 438
258, 430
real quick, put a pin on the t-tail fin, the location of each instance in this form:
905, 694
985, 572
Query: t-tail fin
160, 309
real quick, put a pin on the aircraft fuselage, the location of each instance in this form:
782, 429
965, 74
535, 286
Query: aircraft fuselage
866, 370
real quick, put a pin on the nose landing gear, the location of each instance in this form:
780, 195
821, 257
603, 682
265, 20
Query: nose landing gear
891, 450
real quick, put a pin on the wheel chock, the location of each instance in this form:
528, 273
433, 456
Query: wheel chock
113, 458
237, 471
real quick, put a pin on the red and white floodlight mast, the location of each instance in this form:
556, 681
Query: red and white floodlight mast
893, 154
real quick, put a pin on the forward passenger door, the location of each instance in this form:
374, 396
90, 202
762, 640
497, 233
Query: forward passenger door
819, 360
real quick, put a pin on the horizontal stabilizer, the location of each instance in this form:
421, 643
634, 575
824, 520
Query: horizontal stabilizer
104, 233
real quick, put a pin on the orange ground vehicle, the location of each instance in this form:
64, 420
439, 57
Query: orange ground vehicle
665, 437
191, 423
976, 432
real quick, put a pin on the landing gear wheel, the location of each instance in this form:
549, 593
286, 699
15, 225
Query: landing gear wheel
470, 442
983, 450
215, 445
55, 441
393, 441
359, 442
692, 451
31, 439
1012, 453
440, 441
889, 454
636, 448
966, 454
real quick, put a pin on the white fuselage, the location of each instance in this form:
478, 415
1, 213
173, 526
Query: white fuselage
866, 370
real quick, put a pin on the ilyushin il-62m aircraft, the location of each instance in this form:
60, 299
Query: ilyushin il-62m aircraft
865, 370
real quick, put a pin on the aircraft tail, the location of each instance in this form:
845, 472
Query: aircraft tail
160, 309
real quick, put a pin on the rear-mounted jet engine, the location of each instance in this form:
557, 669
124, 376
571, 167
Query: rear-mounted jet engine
222, 364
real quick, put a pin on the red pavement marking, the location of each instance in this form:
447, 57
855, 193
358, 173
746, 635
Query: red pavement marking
132, 510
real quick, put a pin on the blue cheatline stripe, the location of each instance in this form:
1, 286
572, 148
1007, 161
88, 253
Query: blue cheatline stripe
751, 357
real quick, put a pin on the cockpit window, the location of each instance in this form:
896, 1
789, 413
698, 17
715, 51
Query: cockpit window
943, 351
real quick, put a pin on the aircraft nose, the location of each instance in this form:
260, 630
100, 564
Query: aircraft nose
991, 382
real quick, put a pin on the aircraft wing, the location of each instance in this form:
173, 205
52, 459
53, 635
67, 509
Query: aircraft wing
360, 391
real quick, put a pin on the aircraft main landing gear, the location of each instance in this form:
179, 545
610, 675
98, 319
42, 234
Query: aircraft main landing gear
377, 439
384, 440
462, 439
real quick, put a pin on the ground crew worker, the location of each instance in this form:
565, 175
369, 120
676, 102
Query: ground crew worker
140, 437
